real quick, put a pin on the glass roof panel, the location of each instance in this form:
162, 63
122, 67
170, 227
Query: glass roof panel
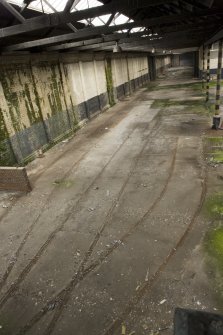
57, 4
50, 6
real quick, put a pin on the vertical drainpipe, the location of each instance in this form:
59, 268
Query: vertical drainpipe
203, 72
208, 72
216, 118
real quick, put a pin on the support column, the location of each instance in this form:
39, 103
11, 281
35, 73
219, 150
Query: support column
218, 86
203, 70
216, 118
196, 64
208, 72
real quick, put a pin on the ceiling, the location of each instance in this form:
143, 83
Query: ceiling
92, 25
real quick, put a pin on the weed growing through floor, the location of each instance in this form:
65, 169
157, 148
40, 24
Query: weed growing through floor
213, 246
215, 140
213, 83
214, 149
217, 156
214, 206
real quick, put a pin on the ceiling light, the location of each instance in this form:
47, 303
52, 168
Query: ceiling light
117, 48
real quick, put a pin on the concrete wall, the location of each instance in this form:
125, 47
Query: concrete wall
213, 61
44, 98
187, 59
129, 73
162, 63
175, 60
37, 108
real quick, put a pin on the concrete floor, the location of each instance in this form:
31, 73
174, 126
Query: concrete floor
111, 233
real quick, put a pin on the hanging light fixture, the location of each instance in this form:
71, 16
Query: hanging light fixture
153, 50
117, 48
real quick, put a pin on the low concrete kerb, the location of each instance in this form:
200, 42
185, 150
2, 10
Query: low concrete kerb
14, 179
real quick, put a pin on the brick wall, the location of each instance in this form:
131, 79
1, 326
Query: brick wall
14, 179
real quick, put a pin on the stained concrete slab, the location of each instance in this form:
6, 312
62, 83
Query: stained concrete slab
112, 232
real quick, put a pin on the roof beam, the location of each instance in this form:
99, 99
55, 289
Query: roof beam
105, 38
70, 4
55, 11
113, 37
82, 33
126, 40
93, 31
167, 39
216, 37
55, 19
110, 19
13, 11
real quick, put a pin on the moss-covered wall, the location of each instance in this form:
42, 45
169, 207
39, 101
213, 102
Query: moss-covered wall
109, 81
35, 102
43, 97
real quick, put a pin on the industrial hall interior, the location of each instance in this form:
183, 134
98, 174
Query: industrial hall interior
111, 167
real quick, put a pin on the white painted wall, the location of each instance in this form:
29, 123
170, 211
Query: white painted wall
213, 57
137, 67
76, 87
100, 76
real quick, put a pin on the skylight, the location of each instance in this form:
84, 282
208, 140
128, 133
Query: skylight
51, 6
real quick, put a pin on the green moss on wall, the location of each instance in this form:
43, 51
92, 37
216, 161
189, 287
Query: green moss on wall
109, 81
6, 155
24, 104
33, 115
11, 78
66, 93
3, 129
6, 79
